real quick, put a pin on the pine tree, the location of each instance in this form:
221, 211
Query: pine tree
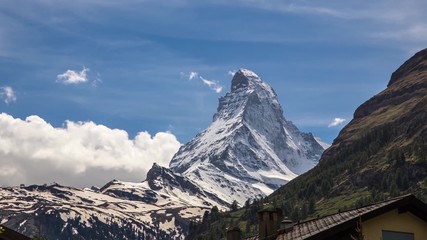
311, 206
359, 231
234, 205
247, 203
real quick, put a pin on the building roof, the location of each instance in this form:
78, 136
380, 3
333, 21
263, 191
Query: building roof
252, 238
323, 227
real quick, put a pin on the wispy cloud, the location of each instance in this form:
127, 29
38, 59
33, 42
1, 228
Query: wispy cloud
73, 77
97, 80
378, 10
78, 154
7, 94
280, 6
336, 122
400, 21
212, 84
231, 72
414, 33
193, 75
319, 10
190, 76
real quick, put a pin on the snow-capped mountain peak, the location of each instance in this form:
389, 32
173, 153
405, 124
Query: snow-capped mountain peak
244, 79
249, 149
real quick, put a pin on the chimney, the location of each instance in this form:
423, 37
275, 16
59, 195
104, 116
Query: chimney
269, 223
286, 225
234, 233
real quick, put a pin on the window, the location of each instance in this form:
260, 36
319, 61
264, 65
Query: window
390, 235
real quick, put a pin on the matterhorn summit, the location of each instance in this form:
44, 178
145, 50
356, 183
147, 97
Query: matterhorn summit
250, 149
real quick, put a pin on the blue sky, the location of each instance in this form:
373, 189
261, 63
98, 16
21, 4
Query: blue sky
129, 61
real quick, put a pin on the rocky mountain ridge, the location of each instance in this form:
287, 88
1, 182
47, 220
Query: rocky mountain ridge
160, 207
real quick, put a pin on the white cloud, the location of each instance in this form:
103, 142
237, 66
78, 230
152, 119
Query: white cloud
78, 154
73, 77
336, 122
7, 94
231, 72
192, 75
214, 85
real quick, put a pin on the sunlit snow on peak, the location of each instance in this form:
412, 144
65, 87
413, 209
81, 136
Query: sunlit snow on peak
248, 73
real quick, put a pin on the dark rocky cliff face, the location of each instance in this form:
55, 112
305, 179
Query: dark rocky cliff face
403, 99
416, 64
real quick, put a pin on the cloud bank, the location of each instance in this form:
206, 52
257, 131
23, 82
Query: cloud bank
336, 122
73, 77
77, 154
7, 94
